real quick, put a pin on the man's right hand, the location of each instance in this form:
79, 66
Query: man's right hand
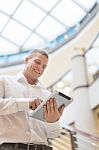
34, 103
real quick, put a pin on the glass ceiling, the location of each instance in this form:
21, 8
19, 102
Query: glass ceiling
28, 24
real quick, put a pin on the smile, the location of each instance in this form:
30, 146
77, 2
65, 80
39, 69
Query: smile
38, 72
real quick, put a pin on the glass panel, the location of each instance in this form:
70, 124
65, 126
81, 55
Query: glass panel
16, 32
9, 6
6, 47
88, 4
68, 12
17, 57
50, 28
34, 41
46, 4
29, 14
3, 20
2, 60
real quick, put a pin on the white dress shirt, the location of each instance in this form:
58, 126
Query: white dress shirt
16, 123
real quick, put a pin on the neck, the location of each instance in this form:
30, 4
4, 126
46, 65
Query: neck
29, 80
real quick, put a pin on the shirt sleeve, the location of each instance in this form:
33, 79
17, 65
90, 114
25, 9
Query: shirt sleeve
11, 105
53, 129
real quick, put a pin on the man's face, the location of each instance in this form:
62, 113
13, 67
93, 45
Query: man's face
36, 65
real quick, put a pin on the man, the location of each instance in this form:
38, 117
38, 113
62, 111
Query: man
21, 94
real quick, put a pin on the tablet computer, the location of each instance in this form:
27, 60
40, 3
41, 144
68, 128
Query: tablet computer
60, 99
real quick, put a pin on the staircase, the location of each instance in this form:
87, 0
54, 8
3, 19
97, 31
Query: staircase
73, 139
62, 142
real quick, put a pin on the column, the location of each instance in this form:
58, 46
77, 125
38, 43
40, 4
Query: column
83, 114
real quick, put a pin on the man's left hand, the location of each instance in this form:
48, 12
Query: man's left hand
51, 112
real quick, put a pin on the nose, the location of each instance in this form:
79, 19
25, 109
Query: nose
40, 69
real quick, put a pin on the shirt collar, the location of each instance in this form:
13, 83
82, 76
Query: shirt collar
21, 78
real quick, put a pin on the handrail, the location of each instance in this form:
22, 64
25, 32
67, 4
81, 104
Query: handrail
78, 137
92, 137
71, 129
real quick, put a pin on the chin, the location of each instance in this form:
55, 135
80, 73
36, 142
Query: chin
37, 75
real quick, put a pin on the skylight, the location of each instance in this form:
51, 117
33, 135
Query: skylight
28, 24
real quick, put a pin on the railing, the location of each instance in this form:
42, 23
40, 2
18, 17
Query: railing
86, 141
63, 141
75, 139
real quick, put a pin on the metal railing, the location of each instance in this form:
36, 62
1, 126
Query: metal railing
78, 140
86, 141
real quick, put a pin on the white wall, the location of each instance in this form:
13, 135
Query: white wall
94, 94
79, 111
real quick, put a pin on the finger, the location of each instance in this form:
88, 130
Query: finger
40, 101
32, 105
37, 102
44, 111
48, 106
51, 102
55, 105
44, 108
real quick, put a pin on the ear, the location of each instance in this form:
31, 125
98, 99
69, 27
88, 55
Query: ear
26, 60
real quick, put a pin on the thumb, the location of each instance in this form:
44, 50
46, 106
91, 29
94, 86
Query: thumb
61, 109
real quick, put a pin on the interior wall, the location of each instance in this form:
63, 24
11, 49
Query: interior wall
94, 94
96, 116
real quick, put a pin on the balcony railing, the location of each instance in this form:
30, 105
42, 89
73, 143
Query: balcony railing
74, 139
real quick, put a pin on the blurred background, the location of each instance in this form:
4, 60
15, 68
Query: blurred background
69, 31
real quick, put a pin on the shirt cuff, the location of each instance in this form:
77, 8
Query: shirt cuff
23, 104
53, 126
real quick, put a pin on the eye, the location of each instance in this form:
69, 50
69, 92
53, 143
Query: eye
38, 62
